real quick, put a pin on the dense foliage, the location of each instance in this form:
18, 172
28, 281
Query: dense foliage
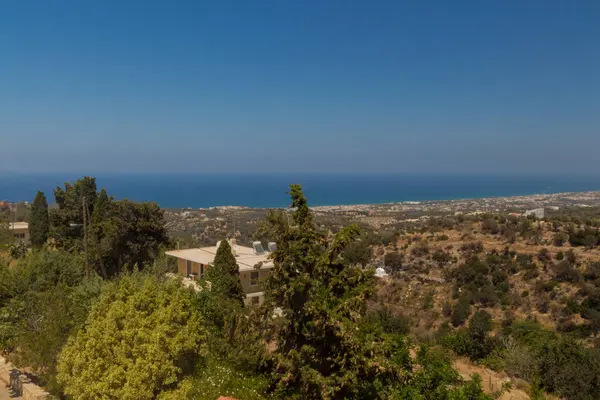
326, 347
140, 339
43, 300
224, 275
39, 221
117, 234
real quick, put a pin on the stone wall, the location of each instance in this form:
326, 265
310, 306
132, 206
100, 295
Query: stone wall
10, 376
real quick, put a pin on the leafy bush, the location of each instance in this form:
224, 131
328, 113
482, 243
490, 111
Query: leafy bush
218, 378
490, 225
559, 239
474, 341
420, 250
393, 261
389, 321
571, 256
564, 272
140, 339
43, 299
544, 255
461, 311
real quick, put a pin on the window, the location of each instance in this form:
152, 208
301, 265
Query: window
201, 270
20, 235
255, 300
254, 278
188, 267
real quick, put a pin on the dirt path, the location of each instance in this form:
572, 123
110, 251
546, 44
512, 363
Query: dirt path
5, 394
492, 381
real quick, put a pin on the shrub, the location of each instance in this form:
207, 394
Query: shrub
389, 321
420, 250
472, 248
393, 261
428, 300
140, 339
592, 272
441, 257
571, 256
490, 225
544, 255
446, 309
564, 272
461, 311
559, 239
479, 327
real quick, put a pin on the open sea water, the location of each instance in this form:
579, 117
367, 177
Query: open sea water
269, 190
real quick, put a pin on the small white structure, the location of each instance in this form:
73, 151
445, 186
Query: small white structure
20, 231
380, 273
537, 212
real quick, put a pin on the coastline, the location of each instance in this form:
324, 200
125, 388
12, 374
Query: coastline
563, 197
202, 191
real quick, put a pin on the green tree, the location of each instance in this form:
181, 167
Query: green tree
559, 239
590, 241
461, 311
126, 234
67, 220
436, 379
224, 274
39, 221
393, 261
142, 337
321, 350
6, 236
17, 250
479, 328
43, 299
358, 252
119, 233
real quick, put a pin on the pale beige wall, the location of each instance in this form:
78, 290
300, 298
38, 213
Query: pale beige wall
249, 301
245, 279
182, 267
21, 234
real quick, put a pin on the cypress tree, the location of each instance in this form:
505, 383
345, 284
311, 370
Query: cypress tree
321, 350
39, 222
224, 274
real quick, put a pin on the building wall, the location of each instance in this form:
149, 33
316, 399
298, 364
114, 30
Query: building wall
182, 267
245, 279
255, 300
21, 234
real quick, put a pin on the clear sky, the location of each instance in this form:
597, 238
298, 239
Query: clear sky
300, 86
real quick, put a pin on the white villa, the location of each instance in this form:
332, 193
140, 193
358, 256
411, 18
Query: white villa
20, 231
193, 264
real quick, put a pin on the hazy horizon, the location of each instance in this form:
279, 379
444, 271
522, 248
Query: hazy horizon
311, 87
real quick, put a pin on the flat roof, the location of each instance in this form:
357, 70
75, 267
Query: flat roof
18, 225
245, 257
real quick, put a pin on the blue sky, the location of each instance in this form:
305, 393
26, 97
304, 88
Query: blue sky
300, 86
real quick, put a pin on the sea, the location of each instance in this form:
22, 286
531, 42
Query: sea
270, 190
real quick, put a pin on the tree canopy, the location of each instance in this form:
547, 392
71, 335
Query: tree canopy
141, 338
224, 274
118, 233
39, 221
